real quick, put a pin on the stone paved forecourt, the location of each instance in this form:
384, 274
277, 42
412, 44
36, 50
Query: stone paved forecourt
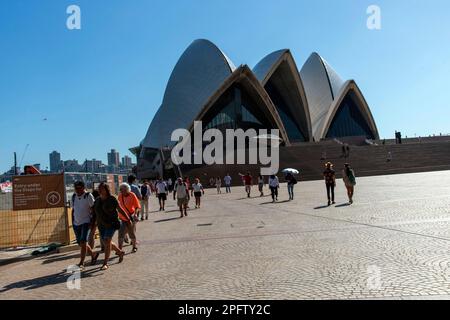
393, 243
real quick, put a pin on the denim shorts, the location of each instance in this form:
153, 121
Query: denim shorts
81, 232
106, 233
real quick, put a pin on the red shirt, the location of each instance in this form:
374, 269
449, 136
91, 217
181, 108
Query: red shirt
129, 204
247, 179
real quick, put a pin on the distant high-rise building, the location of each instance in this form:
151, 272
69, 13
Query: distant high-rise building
127, 162
92, 166
55, 161
113, 158
72, 166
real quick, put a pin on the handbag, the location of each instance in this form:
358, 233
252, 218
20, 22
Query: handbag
116, 224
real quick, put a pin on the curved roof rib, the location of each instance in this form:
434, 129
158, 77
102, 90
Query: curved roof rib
350, 87
245, 77
322, 84
280, 69
199, 72
335, 81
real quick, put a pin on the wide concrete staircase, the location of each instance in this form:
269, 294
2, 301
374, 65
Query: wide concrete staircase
366, 160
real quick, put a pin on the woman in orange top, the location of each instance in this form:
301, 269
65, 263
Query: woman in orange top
129, 205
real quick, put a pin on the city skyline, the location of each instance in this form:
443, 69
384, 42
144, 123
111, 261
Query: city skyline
50, 74
60, 163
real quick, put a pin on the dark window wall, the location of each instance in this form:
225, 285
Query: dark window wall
293, 131
349, 121
235, 109
247, 116
226, 117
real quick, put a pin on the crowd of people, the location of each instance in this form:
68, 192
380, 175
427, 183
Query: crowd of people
103, 211
109, 214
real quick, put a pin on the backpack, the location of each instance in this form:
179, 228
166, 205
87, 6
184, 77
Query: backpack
182, 184
74, 196
144, 190
352, 178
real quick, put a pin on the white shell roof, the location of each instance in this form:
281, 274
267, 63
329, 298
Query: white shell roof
265, 65
322, 84
298, 101
202, 70
199, 72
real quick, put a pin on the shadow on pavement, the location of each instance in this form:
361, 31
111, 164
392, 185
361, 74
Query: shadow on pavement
36, 283
321, 207
343, 205
4, 262
171, 211
252, 197
166, 220
60, 258
276, 202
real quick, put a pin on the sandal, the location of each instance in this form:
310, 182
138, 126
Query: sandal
95, 258
121, 255
81, 266
104, 267
134, 250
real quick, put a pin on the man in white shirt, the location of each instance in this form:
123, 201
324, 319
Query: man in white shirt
274, 184
161, 193
82, 204
181, 192
227, 180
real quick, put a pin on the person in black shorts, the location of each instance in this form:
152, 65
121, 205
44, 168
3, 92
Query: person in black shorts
161, 192
197, 191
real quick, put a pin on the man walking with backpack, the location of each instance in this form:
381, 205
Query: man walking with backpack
181, 193
82, 204
146, 193
134, 187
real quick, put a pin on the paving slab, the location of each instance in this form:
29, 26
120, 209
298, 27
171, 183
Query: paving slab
392, 243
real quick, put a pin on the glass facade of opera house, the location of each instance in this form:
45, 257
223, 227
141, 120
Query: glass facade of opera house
307, 105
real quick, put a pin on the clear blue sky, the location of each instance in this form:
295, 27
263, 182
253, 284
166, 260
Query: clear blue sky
99, 87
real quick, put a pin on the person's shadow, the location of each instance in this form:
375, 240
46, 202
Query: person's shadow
165, 220
343, 205
47, 260
40, 282
276, 202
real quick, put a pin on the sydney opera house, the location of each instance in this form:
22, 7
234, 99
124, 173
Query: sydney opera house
306, 106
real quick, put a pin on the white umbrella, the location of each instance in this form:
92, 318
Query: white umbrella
268, 137
291, 171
